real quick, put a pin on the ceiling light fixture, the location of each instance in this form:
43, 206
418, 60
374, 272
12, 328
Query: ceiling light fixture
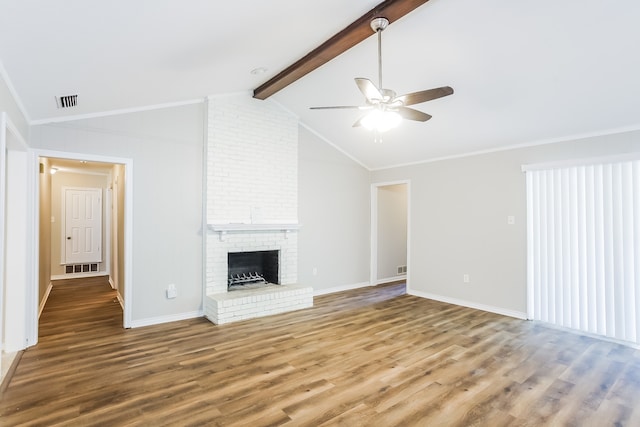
381, 120
258, 71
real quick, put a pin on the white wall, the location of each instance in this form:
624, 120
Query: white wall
10, 106
15, 332
459, 211
333, 206
167, 148
17, 246
392, 230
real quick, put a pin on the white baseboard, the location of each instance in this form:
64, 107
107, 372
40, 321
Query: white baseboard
120, 300
78, 275
113, 286
317, 292
166, 319
391, 279
483, 307
45, 297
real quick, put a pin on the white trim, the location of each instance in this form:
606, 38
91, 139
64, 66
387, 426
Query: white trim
205, 201
111, 283
341, 288
391, 279
80, 275
582, 162
16, 133
166, 319
114, 112
81, 171
231, 228
340, 149
45, 298
13, 92
574, 137
3, 205
283, 108
33, 249
120, 300
107, 226
128, 245
468, 304
373, 234
373, 242
128, 216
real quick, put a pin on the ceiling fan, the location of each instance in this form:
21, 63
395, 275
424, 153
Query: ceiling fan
386, 110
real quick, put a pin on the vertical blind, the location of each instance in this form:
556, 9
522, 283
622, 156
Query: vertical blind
583, 247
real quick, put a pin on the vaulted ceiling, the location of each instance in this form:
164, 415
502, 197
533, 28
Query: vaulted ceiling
523, 72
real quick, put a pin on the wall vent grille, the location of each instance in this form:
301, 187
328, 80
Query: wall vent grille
402, 269
80, 268
67, 101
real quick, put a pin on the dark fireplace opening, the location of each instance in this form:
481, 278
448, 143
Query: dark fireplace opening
252, 269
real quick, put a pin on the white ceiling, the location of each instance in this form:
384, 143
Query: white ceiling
523, 72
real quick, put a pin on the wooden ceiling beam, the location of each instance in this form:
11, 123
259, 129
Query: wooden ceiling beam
350, 36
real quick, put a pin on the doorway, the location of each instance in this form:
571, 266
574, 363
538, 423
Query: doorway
79, 182
390, 231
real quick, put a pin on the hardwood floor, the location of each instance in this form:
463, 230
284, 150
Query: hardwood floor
371, 356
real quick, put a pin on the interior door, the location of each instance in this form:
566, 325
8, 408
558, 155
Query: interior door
83, 225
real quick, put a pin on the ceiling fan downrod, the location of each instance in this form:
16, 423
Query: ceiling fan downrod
378, 25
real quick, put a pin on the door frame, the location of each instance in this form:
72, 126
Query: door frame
128, 219
373, 272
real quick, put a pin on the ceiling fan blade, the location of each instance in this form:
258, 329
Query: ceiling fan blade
337, 107
358, 122
368, 89
411, 114
423, 96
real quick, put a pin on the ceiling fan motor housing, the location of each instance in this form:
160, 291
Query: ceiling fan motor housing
379, 24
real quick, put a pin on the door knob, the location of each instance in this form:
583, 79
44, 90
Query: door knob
68, 238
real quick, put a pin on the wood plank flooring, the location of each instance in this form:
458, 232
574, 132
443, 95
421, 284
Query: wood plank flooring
372, 356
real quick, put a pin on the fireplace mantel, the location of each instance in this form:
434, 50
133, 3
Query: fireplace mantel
244, 228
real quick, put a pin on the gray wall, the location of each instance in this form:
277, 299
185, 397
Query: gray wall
333, 209
9, 105
459, 211
166, 148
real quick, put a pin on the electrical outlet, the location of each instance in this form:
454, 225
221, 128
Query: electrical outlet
465, 278
172, 292
314, 271
511, 220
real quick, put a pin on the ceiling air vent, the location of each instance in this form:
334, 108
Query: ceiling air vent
67, 101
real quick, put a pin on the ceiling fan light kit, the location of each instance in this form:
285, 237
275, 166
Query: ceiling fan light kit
381, 121
386, 109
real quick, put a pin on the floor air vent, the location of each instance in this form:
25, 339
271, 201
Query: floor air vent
67, 101
80, 268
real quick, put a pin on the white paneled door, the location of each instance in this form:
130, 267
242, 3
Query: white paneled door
83, 225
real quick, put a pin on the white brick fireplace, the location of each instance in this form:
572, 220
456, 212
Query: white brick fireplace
252, 204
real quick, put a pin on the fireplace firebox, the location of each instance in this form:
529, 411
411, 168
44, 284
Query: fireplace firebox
252, 269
